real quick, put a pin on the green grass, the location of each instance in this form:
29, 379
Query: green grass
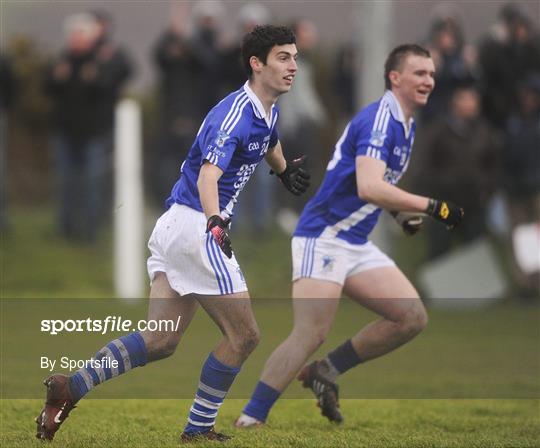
487, 353
472, 379
295, 423
38, 263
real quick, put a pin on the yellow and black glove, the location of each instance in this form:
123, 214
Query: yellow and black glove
445, 212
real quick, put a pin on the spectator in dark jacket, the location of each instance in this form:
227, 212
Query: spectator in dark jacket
115, 63
453, 60
505, 58
188, 65
81, 83
522, 152
458, 157
522, 173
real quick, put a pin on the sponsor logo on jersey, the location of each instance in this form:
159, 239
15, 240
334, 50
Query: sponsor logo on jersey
253, 146
221, 138
377, 138
244, 173
216, 151
404, 155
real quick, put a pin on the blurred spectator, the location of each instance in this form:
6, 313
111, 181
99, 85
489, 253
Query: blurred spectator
453, 60
458, 158
189, 66
522, 153
205, 42
115, 63
506, 57
345, 81
81, 81
302, 111
232, 72
521, 167
7, 94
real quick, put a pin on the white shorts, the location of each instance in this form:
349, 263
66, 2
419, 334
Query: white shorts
190, 257
334, 259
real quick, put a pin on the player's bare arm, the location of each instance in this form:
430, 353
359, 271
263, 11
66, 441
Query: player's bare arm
208, 188
209, 195
275, 158
374, 189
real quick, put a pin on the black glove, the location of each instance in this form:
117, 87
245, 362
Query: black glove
218, 226
409, 222
295, 178
445, 212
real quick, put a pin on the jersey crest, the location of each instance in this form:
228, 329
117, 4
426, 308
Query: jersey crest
377, 138
221, 138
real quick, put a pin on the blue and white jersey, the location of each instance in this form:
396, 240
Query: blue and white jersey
379, 131
234, 136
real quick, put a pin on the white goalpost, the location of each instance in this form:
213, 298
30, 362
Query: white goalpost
128, 202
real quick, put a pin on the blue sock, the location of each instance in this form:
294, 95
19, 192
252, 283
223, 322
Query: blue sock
128, 351
216, 380
261, 401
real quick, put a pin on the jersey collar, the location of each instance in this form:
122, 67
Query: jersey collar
258, 108
397, 111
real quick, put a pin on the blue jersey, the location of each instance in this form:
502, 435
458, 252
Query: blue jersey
379, 131
235, 136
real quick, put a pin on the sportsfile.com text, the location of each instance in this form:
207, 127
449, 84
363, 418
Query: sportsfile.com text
106, 325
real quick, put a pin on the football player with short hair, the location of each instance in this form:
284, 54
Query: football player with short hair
192, 262
332, 254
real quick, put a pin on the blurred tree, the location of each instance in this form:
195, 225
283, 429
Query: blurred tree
28, 154
32, 108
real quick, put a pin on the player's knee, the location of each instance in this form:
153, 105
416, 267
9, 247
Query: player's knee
169, 347
245, 343
414, 321
161, 344
252, 339
312, 336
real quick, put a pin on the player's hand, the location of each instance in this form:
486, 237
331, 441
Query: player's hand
445, 212
409, 222
218, 226
295, 178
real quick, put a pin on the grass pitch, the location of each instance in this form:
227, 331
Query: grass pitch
472, 379
293, 423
